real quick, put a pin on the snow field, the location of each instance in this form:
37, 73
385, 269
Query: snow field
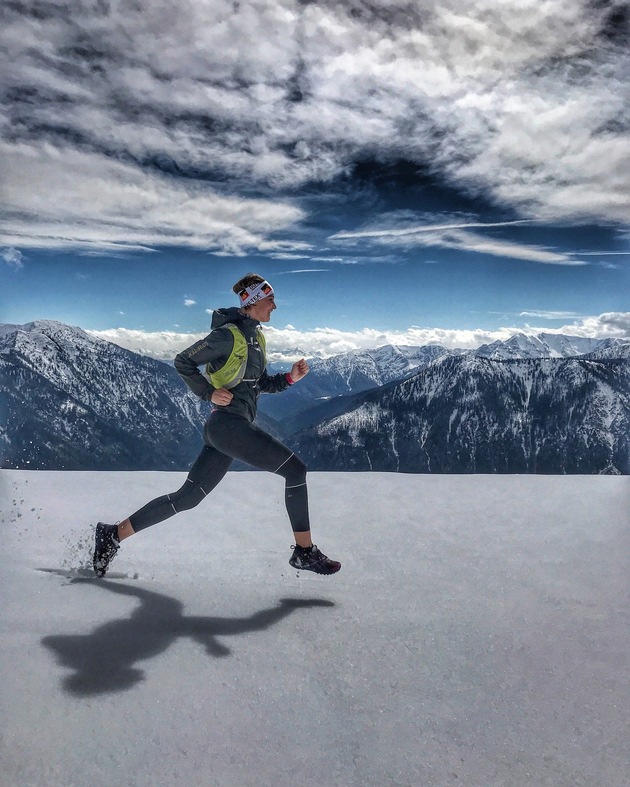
476, 635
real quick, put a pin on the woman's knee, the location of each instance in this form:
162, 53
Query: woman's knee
188, 502
189, 496
294, 471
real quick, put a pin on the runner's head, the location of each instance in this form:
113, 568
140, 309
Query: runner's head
256, 297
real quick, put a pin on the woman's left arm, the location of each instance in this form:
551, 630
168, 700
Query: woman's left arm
298, 370
280, 382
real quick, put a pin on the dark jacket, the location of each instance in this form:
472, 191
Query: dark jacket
215, 350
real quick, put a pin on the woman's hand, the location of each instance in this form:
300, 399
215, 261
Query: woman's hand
298, 370
221, 397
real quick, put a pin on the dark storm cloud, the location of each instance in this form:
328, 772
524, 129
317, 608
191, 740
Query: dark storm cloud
204, 123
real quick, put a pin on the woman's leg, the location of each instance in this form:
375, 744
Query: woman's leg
209, 468
245, 441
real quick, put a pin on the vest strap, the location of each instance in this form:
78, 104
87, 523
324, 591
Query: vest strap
233, 370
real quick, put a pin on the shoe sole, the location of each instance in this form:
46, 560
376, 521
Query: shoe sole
101, 570
317, 570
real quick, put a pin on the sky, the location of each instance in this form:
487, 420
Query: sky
401, 172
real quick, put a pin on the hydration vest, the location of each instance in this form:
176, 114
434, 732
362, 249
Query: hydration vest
233, 370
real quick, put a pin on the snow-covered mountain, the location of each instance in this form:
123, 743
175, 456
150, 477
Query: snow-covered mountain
353, 372
362, 369
543, 345
610, 349
471, 414
347, 374
71, 401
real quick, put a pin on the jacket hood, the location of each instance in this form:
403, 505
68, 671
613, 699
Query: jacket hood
231, 314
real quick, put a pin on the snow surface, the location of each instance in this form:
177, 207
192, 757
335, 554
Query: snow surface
477, 634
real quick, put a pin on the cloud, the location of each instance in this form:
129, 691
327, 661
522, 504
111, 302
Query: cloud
603, 253
302, 270
550, 315
189, 302
457, 236
325, 342
155, 124
13, 258
329, 259
163, 345
416, 230
610, 324
86, 201
286, 256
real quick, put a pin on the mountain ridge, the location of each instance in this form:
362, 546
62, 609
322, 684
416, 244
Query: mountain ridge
476, 414
71, 400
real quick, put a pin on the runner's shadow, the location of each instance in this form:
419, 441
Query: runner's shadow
104, 660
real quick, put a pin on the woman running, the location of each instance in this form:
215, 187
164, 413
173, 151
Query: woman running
233, 355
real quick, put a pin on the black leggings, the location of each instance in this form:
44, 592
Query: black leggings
228, 437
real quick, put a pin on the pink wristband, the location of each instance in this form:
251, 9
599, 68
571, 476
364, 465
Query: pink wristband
290, 379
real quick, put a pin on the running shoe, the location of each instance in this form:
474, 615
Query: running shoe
106, 544
311, 559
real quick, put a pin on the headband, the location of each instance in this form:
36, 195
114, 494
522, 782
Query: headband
251, 295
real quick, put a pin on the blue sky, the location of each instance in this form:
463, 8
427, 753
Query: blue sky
405, 173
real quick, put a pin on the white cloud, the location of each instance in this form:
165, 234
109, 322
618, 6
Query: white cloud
329, 259
550, 315
163, 345
325, 342
455, 236
401, 232
285, 246
603, 253
285, 256
522, 102
86, 201
189, 302
303, 270
612, 324
13, 257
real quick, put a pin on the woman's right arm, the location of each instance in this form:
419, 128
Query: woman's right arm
188, 361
